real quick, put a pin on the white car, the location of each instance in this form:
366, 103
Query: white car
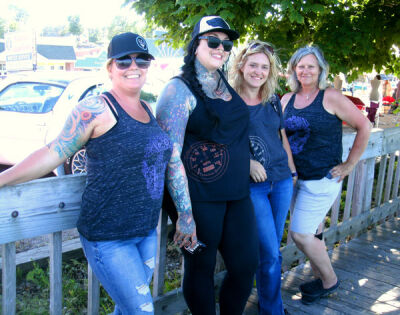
34, 108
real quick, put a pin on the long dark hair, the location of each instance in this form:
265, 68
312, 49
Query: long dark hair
189, 69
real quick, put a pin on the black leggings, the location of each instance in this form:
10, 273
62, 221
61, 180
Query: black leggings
229, 227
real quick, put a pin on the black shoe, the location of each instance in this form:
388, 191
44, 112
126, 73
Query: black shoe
313, 292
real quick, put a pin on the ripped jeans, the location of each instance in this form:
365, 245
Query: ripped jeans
125, 268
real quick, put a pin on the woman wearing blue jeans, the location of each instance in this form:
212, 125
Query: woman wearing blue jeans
127, 155
272, 171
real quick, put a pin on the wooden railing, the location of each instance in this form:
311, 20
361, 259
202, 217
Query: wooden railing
51, 205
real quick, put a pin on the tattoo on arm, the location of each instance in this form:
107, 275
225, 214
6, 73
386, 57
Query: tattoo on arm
174, 106
76, 130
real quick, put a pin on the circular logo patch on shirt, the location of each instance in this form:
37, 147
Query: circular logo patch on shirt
206, 161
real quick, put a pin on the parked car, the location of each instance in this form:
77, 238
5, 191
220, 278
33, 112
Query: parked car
33, 110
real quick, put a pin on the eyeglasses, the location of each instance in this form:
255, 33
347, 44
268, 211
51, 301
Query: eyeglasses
142, 61
214, 42
266, 46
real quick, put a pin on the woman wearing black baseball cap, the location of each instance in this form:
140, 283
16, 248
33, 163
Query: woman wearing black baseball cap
208, 172
127, 154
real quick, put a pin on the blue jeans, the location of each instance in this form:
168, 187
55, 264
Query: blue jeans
271, 200
125, 268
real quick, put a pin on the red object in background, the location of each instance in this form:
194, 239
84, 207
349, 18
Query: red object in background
387, 100
356, 101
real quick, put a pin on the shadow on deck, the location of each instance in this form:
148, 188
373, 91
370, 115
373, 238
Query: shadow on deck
368, 267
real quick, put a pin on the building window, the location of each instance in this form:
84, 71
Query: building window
51, 67
61, 68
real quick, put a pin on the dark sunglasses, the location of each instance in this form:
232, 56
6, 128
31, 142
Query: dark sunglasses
214, 42
267, 47
142, 61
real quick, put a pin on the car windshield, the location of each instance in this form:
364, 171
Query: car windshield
30, 97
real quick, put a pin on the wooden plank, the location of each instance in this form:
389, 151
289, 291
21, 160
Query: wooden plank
349, 195
161, 259
391, 140
358, 288
395, 191
381, 177
40, 207
370, 249
335, 209
374, 146
359, 188
8, 279
369, 184
93, 293
342, 300
56, 273
389, 177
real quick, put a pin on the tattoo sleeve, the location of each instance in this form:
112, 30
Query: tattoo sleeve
174, 106
76, 130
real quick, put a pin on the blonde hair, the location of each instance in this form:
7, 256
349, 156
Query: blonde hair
271, 84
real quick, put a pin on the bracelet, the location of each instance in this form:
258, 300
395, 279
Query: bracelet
294, 174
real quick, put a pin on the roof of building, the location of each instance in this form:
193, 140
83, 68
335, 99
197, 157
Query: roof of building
56, 52
90, 62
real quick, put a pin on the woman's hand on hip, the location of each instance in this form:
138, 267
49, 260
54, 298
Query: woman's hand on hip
342, 170
257, 171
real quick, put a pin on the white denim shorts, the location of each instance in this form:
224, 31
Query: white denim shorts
312, 201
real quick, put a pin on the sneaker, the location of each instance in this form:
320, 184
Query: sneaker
315, 291
311, 286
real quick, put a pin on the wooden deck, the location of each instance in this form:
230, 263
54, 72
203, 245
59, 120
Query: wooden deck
369, 270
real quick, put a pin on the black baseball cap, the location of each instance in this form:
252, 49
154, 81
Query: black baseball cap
127, 43
213, 23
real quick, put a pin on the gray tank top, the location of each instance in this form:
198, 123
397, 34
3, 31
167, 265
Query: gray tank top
125, 179
315, 138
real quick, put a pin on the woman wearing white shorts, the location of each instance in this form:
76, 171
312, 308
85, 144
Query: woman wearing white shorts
313, 117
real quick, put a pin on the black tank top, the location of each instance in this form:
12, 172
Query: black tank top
315, 138
125, 178
216, 150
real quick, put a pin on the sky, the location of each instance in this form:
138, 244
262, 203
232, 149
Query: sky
93, 13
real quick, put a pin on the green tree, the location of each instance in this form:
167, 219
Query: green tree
355, 35
3, 27
75, 27
121, 24
58, 30
94, 35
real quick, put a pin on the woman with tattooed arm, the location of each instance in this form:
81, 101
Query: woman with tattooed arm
208, 172
127, 158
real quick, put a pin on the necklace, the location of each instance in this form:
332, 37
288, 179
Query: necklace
308, 96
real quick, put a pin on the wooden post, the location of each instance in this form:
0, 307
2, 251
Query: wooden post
93, 293
381, 177
9, 279
349, 195
389, 177
56, 273
159, 270
369, 183
395, 191
359, 189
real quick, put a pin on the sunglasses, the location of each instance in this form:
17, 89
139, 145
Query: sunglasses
266, 46
142, 61
214, 42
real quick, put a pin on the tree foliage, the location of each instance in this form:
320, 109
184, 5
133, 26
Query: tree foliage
75, 27
355, 35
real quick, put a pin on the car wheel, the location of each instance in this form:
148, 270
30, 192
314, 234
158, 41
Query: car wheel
76, 164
